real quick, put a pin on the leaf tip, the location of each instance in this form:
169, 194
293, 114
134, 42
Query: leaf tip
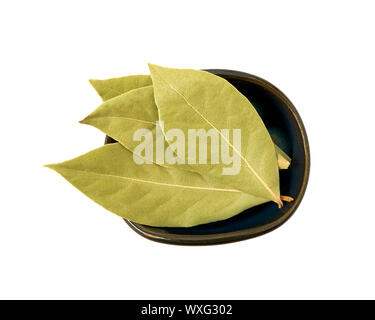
283, 164
83, 121
153, 67
49, 166
96, 85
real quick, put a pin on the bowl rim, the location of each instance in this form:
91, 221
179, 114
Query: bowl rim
243, 234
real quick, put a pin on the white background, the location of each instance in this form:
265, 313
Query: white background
56, 243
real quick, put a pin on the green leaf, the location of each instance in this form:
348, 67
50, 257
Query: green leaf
151, 194
110, 88
191, 99
120, 116
283, 159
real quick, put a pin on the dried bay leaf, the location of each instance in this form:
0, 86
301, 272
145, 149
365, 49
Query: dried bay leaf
113, 87
151, 194
191, 99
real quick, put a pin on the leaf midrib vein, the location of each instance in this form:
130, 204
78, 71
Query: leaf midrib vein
127, 118
154, 182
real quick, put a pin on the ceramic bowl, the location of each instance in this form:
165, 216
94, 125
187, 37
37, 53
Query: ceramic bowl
286, 128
